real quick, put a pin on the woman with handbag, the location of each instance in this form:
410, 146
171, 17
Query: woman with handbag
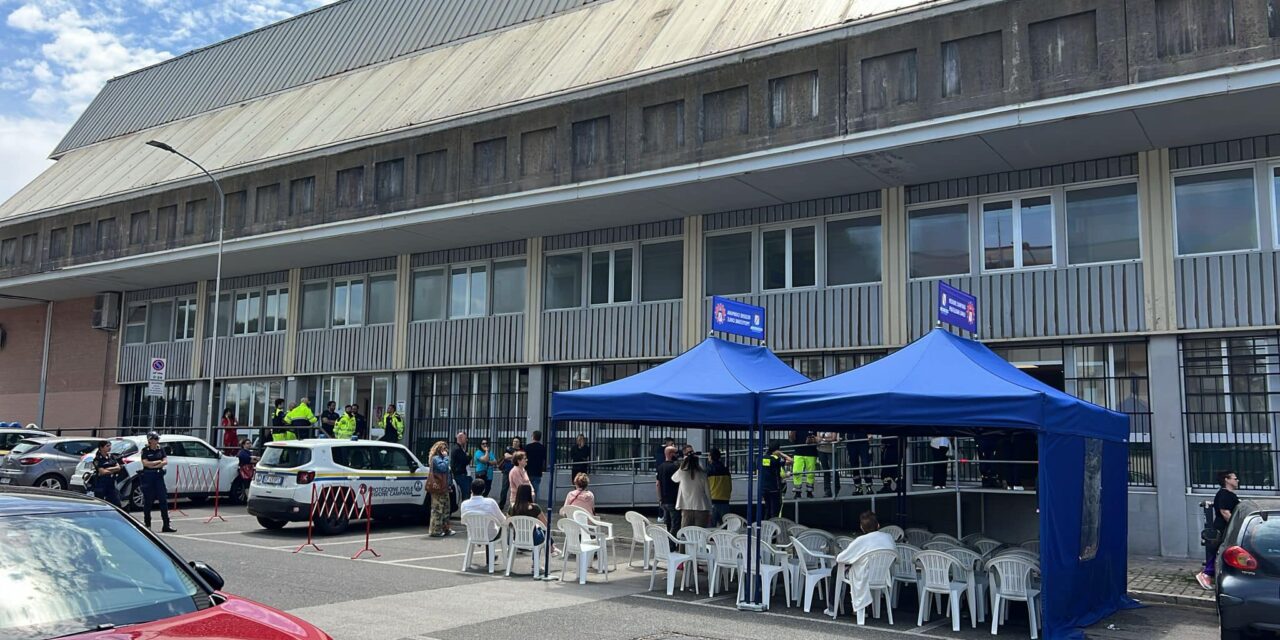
438, 489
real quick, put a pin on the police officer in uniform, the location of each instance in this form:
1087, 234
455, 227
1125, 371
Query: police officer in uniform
151, 479
392, 425
106, 467
277, 421
772, 469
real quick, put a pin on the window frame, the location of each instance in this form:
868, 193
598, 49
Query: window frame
330, 288
584, 284
282, 316
1272, 174
825, 253
637, 269
972, 207
612, 250
1065, 250
493, 270
819, 255
188, 309
469, 268
146, 312
348, 282
1016, 198
1220, 168
754, 259
248, 294
444, 298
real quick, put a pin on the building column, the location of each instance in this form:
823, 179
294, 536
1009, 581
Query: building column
197, 342
894, 326
404, 306
537, 416
200, 404
691, 326
291, 335
1168, 446
1155, 193
533, 305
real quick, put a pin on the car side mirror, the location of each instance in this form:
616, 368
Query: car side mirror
209, 575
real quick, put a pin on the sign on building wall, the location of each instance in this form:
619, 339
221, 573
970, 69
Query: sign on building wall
957, 308
738, 318
155, 378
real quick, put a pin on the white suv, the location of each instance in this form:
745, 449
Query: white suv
189, 456
290, 472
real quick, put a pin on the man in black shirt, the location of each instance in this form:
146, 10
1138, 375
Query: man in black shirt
328, 418
151, 481
771, 470
580, 454
537, 453
458, 461
1224, 504
667, 490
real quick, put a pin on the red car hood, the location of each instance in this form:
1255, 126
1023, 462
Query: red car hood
235, 619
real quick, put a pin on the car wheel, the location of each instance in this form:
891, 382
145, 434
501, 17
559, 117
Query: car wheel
239, 492
332, 525
52, 481
268, 523
135, 502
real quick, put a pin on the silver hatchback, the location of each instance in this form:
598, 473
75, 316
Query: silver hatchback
48, 462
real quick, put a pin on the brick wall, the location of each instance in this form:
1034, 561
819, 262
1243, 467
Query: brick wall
81, 389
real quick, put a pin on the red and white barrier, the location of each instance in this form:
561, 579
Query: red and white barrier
196, 479
346, 501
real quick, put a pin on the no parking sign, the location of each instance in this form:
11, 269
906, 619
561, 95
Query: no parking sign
155, 377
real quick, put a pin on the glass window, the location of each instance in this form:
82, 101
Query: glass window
1017, 233
662, 271
1036, 231
788, 258
1215, 212
248, 311
382, 299
348, 303
468, 291
939, 238
276, 316
185, 325
997, 235
1102, 224
611, 276
853, 251
315, 305
428, 294
508, 286
160, 321
729, 264
135, 324
564, 281
224, 316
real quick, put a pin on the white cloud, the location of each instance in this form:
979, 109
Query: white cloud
25, 144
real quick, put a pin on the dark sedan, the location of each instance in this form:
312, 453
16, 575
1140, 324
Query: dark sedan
1248, 580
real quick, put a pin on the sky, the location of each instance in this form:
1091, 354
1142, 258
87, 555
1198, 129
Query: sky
55, 55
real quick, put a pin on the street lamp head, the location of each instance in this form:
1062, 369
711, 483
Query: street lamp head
161, 146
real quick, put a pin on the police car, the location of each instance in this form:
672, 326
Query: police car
290, 473
194, 467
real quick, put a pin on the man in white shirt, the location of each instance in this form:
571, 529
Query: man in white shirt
872, 539
478, 503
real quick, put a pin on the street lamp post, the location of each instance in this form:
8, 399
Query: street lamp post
217, 280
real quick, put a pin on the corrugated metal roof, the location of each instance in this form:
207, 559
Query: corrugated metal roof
604, 42
342, 36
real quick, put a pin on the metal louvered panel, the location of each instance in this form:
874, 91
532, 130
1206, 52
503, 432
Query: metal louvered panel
345, 350
355, 268
629, 233
135, 361
632, 331
469, 254
246, 356
467, 342
160, 293
1083, 300
815, 319
1226, 291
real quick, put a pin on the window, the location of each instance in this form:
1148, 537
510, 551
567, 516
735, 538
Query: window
428, 294
853, 250
160, 321
1275, 199
185, 322
1102, 224
190, 214
167, 224
468, 291
266, 203
135, 324
276, 317
729, 264
138, 228
248, 312
661, 271
302, 196
787, 258
564, 281
348, 303
1215, 212
225, 312
351, 187
382, 299
508, 286
388, 178
939, 239
9, 252
58, 243
106, 234
1017, 233
1231, 386
81, 240
29, 244
611, 276
315, 305
793, 100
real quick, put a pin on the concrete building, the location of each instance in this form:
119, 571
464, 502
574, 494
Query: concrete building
465, 206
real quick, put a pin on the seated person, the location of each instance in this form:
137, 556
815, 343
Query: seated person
581, 496
872, 539
479, 503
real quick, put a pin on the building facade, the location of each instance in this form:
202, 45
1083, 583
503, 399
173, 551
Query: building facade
532, 197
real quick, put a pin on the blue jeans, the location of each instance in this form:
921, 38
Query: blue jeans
536, 481
718, 511
463, 482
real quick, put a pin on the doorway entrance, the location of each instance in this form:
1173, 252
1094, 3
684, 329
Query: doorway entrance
371, 393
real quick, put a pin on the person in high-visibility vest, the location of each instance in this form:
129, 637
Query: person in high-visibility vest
277, 421
300, 416
345, 427
392, 425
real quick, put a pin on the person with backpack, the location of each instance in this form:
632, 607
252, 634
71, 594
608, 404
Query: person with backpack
1224, 504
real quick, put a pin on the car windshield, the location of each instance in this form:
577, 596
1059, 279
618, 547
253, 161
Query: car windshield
123, 447
284, 457
1262, 539
82, 571
25, 446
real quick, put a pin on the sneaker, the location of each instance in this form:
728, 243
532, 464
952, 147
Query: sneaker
450, 532
437, 535
662, 520
168, 529
938, 486
1206, 582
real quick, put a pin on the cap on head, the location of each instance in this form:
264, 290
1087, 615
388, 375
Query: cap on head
153, 436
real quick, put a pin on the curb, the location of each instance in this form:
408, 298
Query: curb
1151, 597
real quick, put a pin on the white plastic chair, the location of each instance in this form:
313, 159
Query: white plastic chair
773, 563
943, 537
1031, 545
895, 531
478, 527
940, 545
697, 545
917, 537
770, 532
662, 543
599, 528
840, 543
568, 510
985, 545
940, 575
1009, 579
878, 566
904, 570
520, 537
639, 535
724, 558
972, 538
733, 522
976, 578
812, 570
814, 540
784, 526
580, 542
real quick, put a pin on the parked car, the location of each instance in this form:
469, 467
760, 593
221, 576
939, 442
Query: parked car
1248, 576
47, 462
287, 472
189, 457
90, 572
11, 436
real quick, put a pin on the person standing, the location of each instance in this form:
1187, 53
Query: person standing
771, 481
151, 479
1224, 505
229, 436
393, 426
459, 460
277, 424
329, 420
518, 476
345, 427
693, 499
508, 462
362, 422
827, 452
245, 459
940, 448
889, 457
537, 460
299, 417
438, 487
805, 462
106, 467
668, 491
858, 446
483, 462
580, 455
719, 485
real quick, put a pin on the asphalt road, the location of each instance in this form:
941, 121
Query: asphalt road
415, 591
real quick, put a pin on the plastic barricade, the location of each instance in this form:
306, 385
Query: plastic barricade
345, 501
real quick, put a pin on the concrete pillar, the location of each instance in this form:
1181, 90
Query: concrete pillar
197, 352
1155, 195
404, 305
402, 391
200, 403
691, 326
1168, 446
894, 267
538, 408
295, 323
533, 305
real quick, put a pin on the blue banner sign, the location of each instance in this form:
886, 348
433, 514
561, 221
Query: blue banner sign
738, 318
957, 308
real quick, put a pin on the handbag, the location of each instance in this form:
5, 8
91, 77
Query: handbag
437, 483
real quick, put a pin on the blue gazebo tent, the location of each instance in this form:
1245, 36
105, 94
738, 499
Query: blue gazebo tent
943, 384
